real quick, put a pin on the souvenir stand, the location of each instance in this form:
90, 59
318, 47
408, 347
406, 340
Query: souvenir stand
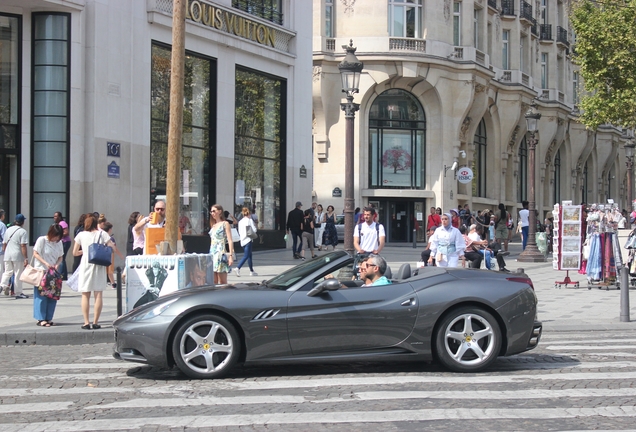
602, 252
630, 245
566, 241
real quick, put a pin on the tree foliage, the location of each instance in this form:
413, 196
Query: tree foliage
605, 50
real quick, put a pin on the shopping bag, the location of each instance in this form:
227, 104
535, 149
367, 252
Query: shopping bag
51, 284
236, 237
250, 233
73, 280
31, 275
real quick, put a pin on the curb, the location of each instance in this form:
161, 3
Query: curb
86, 337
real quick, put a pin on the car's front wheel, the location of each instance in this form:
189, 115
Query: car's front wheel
468, 340
206, 346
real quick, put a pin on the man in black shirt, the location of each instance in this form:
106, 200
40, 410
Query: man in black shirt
294, 220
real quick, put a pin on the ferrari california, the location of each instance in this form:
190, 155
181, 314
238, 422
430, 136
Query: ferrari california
315, 312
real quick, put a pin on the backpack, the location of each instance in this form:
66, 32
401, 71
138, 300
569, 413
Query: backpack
377, 230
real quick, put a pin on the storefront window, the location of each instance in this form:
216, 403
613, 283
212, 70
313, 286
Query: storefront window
522, 178
397, 131
50, 117
10, 36
197, 136
259, 136
479, 163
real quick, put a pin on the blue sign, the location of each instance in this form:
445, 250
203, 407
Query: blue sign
113, 170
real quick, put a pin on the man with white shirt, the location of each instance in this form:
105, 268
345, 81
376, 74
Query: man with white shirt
369, 236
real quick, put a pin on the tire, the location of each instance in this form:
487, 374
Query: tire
468, 340
206, 346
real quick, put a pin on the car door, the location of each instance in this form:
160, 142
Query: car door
349, 319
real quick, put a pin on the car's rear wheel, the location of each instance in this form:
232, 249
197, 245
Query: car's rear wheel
206, 346
468, 340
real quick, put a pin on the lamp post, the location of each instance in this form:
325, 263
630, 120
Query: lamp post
531, 253
629, 156
350, 68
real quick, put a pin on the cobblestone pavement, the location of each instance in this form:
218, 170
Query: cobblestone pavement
573, 381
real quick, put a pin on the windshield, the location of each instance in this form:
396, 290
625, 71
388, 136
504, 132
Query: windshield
286, 279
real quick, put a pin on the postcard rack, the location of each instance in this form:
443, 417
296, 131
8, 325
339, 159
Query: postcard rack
566, 238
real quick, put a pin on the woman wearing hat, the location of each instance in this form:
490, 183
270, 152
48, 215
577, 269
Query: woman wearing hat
447, 244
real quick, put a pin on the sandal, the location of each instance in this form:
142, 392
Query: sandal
86, 327
96, 326
43, 323
51, 323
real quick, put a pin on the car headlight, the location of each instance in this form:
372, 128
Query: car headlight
154, 312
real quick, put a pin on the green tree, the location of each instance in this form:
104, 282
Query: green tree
606, 53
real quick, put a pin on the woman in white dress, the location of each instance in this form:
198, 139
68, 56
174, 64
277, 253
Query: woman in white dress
92, 277
447, 244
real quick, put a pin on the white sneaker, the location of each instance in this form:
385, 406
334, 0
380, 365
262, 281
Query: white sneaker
237, 271
253, 274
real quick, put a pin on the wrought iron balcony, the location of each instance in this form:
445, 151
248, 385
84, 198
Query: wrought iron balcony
535, 27
508, 7
492, 4
525, 11
545, 32
562, 36
266, 9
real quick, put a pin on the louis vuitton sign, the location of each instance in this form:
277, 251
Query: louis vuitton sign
215, 17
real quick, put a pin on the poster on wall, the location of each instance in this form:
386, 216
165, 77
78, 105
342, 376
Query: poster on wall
569, 236
149, 277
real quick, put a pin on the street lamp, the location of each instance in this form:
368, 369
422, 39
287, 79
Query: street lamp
350, 68
531, 253
629, 156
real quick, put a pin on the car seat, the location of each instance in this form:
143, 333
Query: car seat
404, 272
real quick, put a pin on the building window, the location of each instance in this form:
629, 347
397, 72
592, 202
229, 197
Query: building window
584, 187
51, 49
197, 150
397, 147
476, 28
259, 144
479, 162
457, 23
505, 52
329, 18
270, 10
543, 10
544, 70
522, 54
405, 18
575, 88
557, 177
522, 178
10, 106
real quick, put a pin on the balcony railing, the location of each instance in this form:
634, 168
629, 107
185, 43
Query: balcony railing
331, 44
545, 32
492, 4
535, 27
525, 11
562, 36
266, 9
508, 7
407, 44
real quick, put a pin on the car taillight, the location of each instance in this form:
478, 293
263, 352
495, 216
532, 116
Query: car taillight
521, 280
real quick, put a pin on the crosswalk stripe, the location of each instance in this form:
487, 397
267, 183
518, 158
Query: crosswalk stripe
608, 348
572, 341
341, 417
368, 396
33, 407
70, 366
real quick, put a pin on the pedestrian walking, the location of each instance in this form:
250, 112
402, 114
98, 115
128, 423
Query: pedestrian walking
447, 244
48, 255
307, 228
330, 234
220, 232
3, 230
14, 244
246, 241
294, 221
92, 277
319, 226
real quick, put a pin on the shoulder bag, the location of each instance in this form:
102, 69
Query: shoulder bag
250, 232
31, 275
100, 254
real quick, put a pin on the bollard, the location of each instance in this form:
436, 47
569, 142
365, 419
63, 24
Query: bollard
119, 305
625, 294
414, 238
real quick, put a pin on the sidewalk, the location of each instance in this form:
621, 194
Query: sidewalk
562, 309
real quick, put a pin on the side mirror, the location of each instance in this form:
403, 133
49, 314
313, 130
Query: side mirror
326, 285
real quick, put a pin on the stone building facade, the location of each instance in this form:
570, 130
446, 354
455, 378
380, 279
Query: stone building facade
450, 81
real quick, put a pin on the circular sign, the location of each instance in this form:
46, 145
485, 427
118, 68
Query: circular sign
464, 175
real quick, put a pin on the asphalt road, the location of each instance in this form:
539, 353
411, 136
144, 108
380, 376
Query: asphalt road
572, 381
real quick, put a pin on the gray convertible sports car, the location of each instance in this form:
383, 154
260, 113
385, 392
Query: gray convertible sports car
314, 312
